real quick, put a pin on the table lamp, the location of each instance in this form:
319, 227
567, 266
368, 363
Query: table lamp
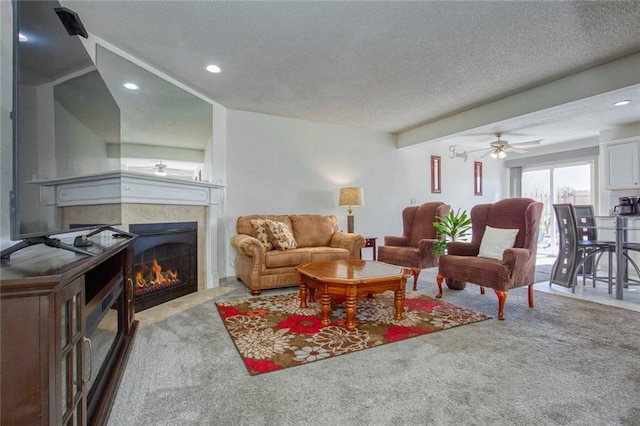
351, 197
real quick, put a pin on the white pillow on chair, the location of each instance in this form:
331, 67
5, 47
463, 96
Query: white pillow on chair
495, 241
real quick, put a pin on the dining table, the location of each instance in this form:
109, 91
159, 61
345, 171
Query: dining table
621, 225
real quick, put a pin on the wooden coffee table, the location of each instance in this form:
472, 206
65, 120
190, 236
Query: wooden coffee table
351, 278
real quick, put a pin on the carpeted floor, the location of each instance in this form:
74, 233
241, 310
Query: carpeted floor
543, 273
565, 362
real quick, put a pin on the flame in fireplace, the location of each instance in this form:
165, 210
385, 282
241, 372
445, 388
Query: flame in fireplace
149, 278
140, 280
157, 271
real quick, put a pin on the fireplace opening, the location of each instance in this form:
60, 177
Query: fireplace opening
165, 262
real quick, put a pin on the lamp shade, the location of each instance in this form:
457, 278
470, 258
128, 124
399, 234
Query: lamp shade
351, 197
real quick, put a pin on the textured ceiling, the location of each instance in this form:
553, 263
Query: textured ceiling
387, 66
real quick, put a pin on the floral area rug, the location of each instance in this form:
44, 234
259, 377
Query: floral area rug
273, 332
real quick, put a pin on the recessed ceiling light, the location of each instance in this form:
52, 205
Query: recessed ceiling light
131, 86
22, 37
214, 69
621, 103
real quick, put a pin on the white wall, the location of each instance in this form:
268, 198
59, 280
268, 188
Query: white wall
279, 165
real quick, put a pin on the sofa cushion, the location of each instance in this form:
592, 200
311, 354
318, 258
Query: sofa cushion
495, 241
325, 254
298, 256
465, 268
243, 224
311, 230
280, 235
259, 231
289, 258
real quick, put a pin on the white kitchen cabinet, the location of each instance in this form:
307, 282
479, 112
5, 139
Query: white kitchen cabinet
622, 164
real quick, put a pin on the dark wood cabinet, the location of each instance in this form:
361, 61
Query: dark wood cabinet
67, 322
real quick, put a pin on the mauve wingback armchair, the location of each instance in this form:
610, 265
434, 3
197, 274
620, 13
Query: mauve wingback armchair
413, 248
516, 266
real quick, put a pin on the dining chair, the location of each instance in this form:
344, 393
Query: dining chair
574, 251
629, 246
588, 241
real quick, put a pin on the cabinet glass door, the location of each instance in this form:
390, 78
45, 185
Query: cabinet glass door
71, 325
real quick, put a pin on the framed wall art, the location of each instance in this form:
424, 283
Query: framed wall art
477, 178
436, 166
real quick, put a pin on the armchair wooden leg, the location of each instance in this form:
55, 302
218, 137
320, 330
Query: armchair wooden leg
481, 289
439, 279
531, 295
502, 298
415, 272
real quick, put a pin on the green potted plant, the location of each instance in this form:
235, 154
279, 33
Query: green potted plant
451, 227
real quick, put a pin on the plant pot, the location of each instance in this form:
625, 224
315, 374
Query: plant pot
455, 284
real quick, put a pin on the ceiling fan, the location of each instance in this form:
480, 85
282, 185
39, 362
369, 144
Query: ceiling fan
160, 169
177, 169
500, 148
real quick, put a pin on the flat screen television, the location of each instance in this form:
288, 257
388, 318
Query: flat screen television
65, 122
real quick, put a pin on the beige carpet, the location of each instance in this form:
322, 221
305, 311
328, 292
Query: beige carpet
565, 362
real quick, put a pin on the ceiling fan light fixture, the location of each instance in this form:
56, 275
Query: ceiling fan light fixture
500, 148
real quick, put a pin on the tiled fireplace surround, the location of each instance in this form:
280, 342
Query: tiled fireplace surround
141, 198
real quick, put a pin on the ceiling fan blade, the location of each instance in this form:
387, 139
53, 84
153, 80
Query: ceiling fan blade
511, 148
476, 150
486, 154
536, 142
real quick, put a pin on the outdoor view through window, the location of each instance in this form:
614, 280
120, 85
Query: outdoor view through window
552, 185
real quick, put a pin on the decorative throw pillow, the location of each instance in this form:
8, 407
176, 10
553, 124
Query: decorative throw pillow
260, 232
280, 235
495, 241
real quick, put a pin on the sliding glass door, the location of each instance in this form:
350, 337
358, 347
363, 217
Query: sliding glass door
564, 183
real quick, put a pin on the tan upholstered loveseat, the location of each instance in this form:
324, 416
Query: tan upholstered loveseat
317, 241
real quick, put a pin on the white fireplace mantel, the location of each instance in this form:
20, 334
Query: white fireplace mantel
131, 187
125, 187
